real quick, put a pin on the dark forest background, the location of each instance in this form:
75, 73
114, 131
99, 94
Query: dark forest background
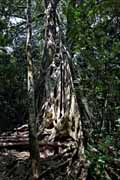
93, 40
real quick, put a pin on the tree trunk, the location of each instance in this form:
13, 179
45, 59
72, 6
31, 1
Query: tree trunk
34, 146
60, 112
60, 107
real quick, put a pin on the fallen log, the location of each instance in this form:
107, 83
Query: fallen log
13, 140
13, 144
23, 127
25, 144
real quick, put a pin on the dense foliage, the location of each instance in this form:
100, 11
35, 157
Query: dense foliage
93, 34
92, 30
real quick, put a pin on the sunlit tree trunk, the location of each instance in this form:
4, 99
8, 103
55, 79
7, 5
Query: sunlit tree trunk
60, 112
60, 105
34, 146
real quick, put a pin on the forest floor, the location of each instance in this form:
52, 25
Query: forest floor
15, 165
15, 159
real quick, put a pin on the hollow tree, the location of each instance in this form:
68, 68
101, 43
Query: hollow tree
59, 112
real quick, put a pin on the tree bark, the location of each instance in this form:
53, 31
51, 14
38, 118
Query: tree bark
60, 112
60, 105
34, 146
